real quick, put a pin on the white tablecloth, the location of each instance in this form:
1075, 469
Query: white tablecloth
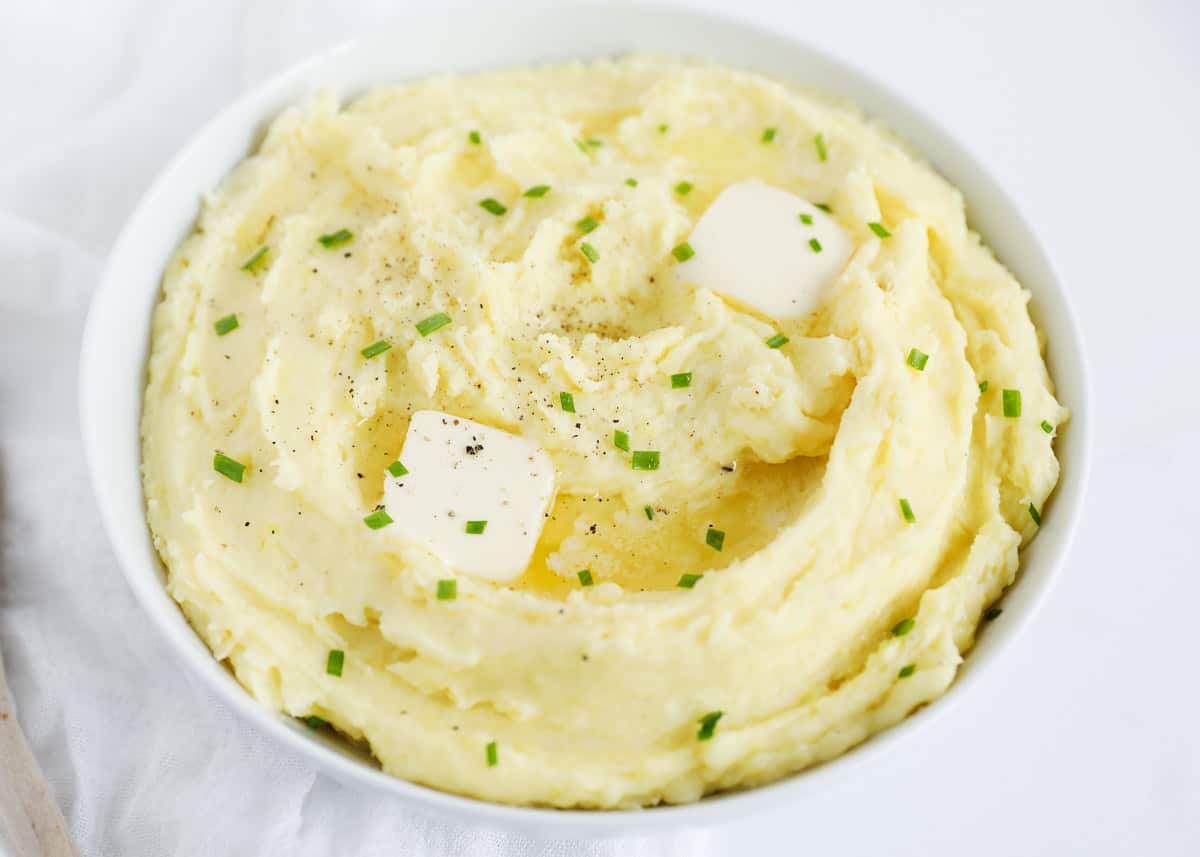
1083, 740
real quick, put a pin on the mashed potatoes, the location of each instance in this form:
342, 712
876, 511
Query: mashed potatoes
871, 510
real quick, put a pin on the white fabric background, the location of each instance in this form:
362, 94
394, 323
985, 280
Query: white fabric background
1083, 740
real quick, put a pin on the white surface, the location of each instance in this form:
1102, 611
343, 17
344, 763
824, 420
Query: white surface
1081, 739
751, 246
506, 481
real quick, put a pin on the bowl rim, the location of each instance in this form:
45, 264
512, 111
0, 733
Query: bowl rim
246, 115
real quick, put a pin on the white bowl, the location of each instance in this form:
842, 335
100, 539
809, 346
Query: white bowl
116, 341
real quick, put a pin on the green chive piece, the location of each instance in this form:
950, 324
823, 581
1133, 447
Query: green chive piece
397, 469
631, 182
475, 138
649, 510
819, 142
1047, 428
903, 627
226, 324
906, 671
585, 577
621, 440
715, 539
593, 143
476, 528
662, 129
777, 341
1035, 514
589, 251
335, 662
567, 402
983, 385
768, 135
581, 147
645, 459
493, 754
586, 225
688, 581
917, 360
314, 722
537, 191
1011, 400
492, 206
825, 208
683, 252
684, 188
447, 590
815, 245
993, 614
256, 261
434, 322
806, 219
227, 467
337, 239
906, 511
375, 349
681, 379
378, 519
879, 230
708, 725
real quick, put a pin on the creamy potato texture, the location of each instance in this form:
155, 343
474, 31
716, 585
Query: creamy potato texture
799, 454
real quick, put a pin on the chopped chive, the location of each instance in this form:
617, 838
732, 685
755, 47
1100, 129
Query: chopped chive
493, 754
337, 239
879, 230
581, 147
777, 341
378, 519
806, 219
492, 206
645, 459
684, 188
226, 324
375, 349
434, 322
397, 469
917, 360
567, 402
906, 671
447, 590
585, 577
475, 138
681, 379
903, 627
476, 528
815, 245
708, 725
993, 614
227, 467
589, 251
683, 252
1035, 514
621, 440
715, 539
825, 208
662, 129
906, 511
593, 143
586, 225
819, 142
1011, 400
335, 662
768, 135
255, 262
688, 581
1047, 428
314, 722
649, 510
983, 385
537, 191
631, 182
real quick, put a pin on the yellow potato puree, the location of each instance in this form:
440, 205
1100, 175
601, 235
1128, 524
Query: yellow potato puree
826, 615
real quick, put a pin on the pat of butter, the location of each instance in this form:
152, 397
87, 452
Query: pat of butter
461, 473
768, 249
